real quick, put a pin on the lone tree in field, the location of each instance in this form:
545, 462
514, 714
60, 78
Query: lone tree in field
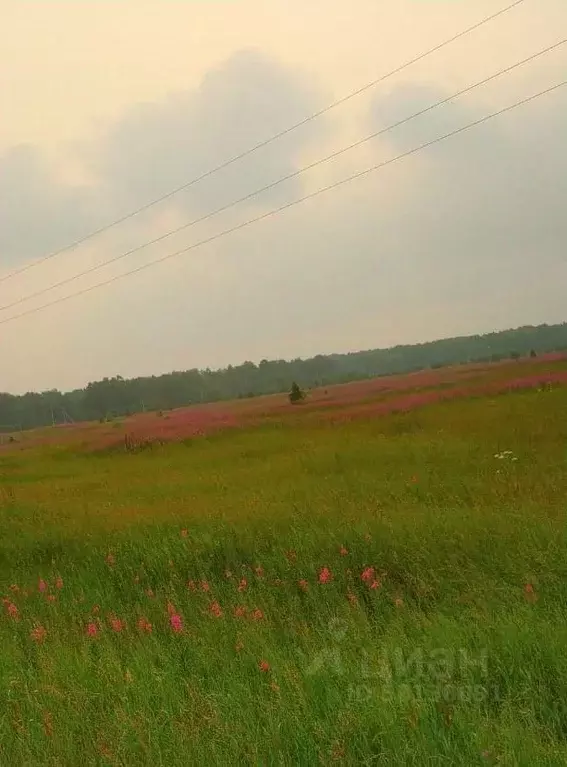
296, 394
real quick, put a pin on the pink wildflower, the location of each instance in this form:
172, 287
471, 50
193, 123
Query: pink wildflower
375, 584
343, 551
176, 623
51, 597
239, 612
59, 582
303, 585
92, 629
368, 575
205, 586
216, 610
144, 626
257, 615
42, 585
529, 593
264, 666
38, 634
243, 584
325, 576
117, 625
13, 611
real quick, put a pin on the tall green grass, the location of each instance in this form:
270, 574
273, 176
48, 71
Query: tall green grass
456, 656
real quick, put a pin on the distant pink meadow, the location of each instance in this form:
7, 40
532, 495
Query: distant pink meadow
359, 399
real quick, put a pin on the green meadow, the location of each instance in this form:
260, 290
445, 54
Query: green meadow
381, 591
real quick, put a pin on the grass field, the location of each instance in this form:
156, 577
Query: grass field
312, 585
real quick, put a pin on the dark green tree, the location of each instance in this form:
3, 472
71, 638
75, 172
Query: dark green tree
296, 394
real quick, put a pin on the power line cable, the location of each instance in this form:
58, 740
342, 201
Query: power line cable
260, 145
273, 184
292, 204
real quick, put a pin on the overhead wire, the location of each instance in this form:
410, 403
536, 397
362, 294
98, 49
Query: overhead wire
277, 182
288, 205
260, 145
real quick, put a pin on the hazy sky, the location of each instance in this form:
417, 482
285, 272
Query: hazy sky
107, 104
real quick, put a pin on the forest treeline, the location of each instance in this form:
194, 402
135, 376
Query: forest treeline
117, 396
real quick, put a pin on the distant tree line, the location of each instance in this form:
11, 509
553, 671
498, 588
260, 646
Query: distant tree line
117, 396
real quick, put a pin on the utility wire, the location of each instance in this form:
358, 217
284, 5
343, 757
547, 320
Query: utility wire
274, 212
264, 143
273, 184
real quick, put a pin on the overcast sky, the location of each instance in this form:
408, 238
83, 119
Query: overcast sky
107, 105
